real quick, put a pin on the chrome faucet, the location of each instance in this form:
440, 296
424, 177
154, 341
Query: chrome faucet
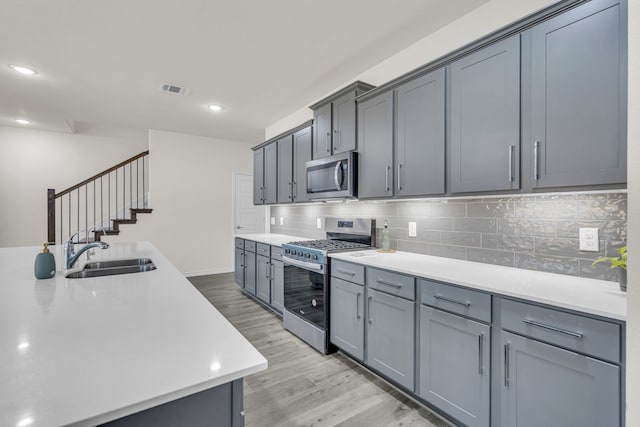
70, 256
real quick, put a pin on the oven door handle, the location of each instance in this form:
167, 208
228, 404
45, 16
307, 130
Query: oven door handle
303, 264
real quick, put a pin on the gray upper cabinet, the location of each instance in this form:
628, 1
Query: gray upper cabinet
347, 317
578, 97
258, 177
334, 129
485, 119
543, 385
302, 144
270, 173
420, 136
375, 146
455, 371
285, 169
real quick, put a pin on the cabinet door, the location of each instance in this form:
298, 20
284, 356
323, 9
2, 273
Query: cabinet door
301, 155
250, 272
485, 119
258, 177
285, 169
263, 278
543, 385
420, 142
239, 266
578, 90
344, 123
455, 365
390, 337
277, 285
347, 317
271, 173
322, 129
375, 147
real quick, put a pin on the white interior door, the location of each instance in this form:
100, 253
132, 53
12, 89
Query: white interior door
247, 217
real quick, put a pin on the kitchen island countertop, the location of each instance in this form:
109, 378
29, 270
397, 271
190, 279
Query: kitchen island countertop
87, 351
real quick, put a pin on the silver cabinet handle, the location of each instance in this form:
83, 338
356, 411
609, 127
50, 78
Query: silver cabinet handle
506, 365
553, 328
399, 169
453, 301
238, 227
384, 282
337, 179
510, 154
369, 310
386, 177
290, 191
350, 273
536, 149
267, 269
271, 271
294, 191
326, 142
480, 353
358, 305
336, 137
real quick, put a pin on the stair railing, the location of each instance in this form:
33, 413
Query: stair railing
98, 200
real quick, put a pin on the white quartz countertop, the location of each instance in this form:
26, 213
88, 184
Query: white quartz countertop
87, 351
591, 296
271, 238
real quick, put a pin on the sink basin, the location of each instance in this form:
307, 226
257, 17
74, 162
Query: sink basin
113, 267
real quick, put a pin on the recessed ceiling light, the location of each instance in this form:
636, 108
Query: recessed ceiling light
214, 107
23, 70
23, 121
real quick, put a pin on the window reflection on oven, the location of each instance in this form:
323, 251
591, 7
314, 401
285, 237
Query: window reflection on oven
304, 294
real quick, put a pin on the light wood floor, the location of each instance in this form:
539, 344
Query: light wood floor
301, 387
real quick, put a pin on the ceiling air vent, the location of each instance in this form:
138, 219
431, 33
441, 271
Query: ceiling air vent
174, 89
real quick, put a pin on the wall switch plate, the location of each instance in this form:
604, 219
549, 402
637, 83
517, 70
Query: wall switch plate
281, 220
412, 229
319, 222
273, 220
589, 240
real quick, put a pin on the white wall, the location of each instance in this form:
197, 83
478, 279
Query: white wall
191, 193
633, 320
476, 24
32, 161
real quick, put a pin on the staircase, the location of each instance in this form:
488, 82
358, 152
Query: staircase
98, 205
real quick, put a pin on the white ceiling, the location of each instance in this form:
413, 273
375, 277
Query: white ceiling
104, 61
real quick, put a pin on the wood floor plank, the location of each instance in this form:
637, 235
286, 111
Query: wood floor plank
302, 387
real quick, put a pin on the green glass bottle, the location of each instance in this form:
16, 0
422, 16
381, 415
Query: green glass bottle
385, 243
45, 265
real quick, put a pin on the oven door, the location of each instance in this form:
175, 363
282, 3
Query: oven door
306, 291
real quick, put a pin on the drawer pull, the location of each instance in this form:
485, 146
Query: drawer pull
553, 328
453, 301
384, 282
350, 273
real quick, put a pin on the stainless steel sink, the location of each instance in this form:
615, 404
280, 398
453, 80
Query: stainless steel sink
113, 267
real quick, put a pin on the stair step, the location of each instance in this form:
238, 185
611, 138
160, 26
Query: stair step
141, 210
100, 233
125, 221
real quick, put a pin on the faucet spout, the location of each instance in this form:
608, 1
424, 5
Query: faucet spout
70, 257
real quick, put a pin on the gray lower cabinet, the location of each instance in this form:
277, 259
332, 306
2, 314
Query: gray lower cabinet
285, 169
454, 367
302, 143
485, 119
250, 272
420, 136
375, 147
578, 97
277, 285
544, 385
239, 266
347, 317
390, 337
263, 278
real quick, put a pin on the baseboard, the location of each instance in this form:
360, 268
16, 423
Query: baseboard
207, 272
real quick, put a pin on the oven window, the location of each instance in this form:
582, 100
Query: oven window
304, 294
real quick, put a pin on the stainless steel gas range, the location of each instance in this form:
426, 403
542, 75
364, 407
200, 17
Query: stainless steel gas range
306, 277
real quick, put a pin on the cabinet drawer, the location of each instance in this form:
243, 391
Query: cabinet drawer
263, 249
582, 334
346, 271
249, 245
276, 253
239, 243
457, 300
392, 283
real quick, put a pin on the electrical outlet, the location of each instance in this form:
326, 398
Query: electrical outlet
281, 220
273, 220
319, 222
412, 229
589, 240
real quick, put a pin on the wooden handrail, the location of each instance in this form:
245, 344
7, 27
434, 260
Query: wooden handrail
103, 173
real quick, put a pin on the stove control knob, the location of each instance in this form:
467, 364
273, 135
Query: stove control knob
307, 255
286, 251
314, 257
299, 253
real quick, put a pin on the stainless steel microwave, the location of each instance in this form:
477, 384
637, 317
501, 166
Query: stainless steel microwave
333, 177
